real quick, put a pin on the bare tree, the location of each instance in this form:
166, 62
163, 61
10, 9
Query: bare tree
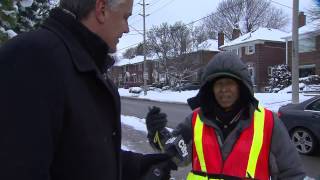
246, 15
314, 11
199, 35
130, 53
171, 44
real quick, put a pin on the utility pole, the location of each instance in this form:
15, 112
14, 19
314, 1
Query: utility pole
295, 53
145, 72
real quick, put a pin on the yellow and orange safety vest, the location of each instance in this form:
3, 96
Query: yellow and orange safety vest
249, 157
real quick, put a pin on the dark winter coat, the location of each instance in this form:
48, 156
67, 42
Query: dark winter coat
59, 117
284, 161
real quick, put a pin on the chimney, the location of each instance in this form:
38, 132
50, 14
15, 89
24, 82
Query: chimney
302, 19
235, 33
220, 38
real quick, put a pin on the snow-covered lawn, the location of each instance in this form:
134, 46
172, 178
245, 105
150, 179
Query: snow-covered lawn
271, 101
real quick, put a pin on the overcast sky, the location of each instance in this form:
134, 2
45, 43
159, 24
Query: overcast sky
187, 11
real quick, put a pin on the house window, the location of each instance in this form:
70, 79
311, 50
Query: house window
270, 69
251, 73
140, 67
235, 51
307, 70
250, 50
156, 65
307, 45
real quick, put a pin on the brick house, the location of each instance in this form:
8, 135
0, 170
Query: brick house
195, 61
129, 72
260, 50
309, 49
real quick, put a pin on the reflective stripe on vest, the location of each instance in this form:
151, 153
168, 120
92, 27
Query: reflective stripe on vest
250, 154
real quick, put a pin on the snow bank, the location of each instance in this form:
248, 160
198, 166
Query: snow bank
26, 3
271, 101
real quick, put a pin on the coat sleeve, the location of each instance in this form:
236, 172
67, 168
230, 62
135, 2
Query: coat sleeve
29, 117
285, 162
131, 165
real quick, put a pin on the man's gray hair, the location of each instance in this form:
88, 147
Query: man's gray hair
81, 8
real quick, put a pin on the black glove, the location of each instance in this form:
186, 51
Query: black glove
156, 123
155, 120
157, 167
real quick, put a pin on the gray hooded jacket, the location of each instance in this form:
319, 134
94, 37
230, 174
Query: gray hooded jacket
284, 161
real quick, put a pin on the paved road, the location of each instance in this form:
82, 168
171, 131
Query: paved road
139, 108
177, 113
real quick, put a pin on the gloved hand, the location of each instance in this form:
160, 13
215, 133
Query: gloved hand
156, 123
155, 120
157, 167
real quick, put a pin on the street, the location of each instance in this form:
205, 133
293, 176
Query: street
177, 113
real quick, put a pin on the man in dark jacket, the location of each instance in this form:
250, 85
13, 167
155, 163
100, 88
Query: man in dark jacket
228, 135
59, 114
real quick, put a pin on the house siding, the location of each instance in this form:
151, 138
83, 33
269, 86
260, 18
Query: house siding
198, 60
267, 54
307, 58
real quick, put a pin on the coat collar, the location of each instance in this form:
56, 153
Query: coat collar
80, 57
76, 36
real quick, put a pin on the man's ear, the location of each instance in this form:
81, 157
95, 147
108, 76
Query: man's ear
100, 10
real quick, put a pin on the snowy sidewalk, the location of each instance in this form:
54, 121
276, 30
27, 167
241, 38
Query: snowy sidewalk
134, 138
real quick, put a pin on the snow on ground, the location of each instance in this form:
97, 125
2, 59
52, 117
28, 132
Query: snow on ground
136, 123
26, 3
163, 96
271, 101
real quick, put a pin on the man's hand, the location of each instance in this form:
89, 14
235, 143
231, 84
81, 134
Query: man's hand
157, 167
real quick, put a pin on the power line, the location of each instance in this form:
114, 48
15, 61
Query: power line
192, 22
275, 2
134, 22
152, 4
130, 34
280, 4
171, 1
138, 31
129, 46
212, 14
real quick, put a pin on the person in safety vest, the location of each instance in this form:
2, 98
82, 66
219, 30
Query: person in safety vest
229, 135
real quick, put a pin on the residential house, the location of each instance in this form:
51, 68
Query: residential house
130, 72
190, 66
260, 50
309, 48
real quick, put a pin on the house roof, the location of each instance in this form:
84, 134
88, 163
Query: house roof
262, 34
135, 60
209, 45
312, 27
125, 61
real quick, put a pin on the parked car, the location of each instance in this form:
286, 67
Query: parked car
303, 123
135, 90
190, 86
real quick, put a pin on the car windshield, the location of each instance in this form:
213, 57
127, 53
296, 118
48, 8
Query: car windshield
314, 106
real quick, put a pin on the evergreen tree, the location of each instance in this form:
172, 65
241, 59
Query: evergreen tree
8, 18
280, 78
31, 17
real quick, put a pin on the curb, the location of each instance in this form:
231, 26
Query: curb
142, 99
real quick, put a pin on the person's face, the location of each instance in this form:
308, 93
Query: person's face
226, 92
116, 23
